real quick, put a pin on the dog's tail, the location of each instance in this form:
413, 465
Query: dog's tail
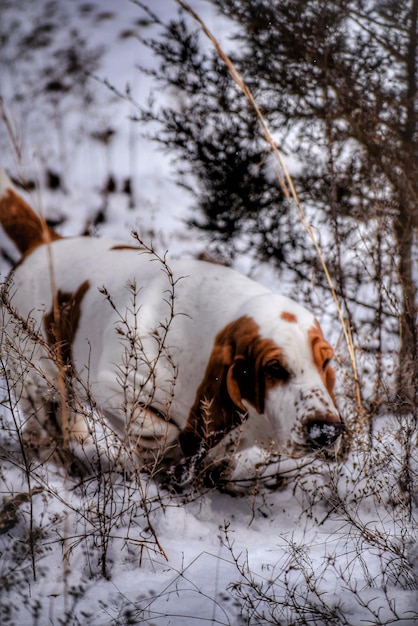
21, 224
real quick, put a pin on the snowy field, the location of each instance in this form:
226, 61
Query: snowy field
337, 545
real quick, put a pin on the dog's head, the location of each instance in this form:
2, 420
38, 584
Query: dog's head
271, 365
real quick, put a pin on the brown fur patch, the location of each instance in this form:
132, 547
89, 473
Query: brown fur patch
22, 225
235, 372
288, 317
322, 352
125, 247
61, 324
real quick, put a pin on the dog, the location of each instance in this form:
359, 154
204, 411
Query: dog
191, 363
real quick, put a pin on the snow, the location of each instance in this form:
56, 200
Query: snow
338, 544
217, 549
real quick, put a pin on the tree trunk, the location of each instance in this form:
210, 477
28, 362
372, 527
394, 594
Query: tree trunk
404, 231
408, 357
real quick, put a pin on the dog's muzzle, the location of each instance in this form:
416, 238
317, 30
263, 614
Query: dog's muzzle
324, 433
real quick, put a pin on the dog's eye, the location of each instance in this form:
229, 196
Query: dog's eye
325, 364
275, 370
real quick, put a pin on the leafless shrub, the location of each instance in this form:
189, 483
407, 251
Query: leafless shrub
110, 504
370, 512
108, 499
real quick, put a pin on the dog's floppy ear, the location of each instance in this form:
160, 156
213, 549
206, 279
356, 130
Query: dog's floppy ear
218, 405
322, 354
246, 377
233, 382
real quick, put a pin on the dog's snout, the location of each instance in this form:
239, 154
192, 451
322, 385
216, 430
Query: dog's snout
323, 433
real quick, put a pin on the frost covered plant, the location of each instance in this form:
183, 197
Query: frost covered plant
90, 495
93, 500
366, 567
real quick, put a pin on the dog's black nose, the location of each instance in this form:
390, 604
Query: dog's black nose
322, 434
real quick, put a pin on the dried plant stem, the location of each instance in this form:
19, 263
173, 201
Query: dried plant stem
9, 127
63, 408
289, 191
62, 388
26, 466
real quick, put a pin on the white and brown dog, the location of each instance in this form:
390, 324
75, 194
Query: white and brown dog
194, 361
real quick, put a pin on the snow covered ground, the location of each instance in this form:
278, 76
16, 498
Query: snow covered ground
332, 548
337, 545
